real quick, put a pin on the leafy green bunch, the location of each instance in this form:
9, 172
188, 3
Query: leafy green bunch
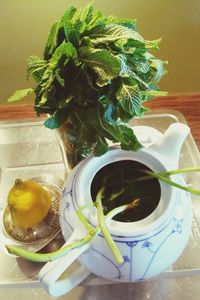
95, 75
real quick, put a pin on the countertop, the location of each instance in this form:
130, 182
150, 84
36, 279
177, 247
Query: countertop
188, 105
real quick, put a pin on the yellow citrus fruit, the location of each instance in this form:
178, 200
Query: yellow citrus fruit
28, 202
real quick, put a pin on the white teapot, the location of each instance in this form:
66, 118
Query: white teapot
148, 246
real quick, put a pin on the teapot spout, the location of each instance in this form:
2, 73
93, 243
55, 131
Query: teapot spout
169, 145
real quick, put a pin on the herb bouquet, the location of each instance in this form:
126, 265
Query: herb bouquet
94, 77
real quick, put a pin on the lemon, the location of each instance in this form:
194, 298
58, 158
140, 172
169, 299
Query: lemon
28, 202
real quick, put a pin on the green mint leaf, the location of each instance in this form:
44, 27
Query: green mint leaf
77, 15
142, 66
66, 23
113, 32
74, 37
43, 99
72, 28
152, 45
102, 62
18, 95
47, 78
129, 23
119, 131
159, 69
57, 119
68, 15
52, 40
123, 134
101, 146
66, 50
59, 78
137, 78
36, 67
87, 13
59, 59
96, 19
133, 143
79, 26
51, 123
129, 98
152, 93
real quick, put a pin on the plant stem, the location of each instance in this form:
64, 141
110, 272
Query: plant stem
45, 257
118, 257
167, 180
82, 217
178, 171
115, 195
164, 177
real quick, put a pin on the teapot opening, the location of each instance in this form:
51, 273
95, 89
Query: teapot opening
85, 190
123, 183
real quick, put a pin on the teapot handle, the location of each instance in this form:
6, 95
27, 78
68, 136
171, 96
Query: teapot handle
50, 273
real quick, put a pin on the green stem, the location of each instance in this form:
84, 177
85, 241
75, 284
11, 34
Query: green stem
82, 217
178, 171
118, 257
45, 257
115, 195
167, 180
164, 177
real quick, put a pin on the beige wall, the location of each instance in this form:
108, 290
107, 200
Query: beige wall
24, 25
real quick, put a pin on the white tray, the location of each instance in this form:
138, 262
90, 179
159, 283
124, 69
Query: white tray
28, 149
